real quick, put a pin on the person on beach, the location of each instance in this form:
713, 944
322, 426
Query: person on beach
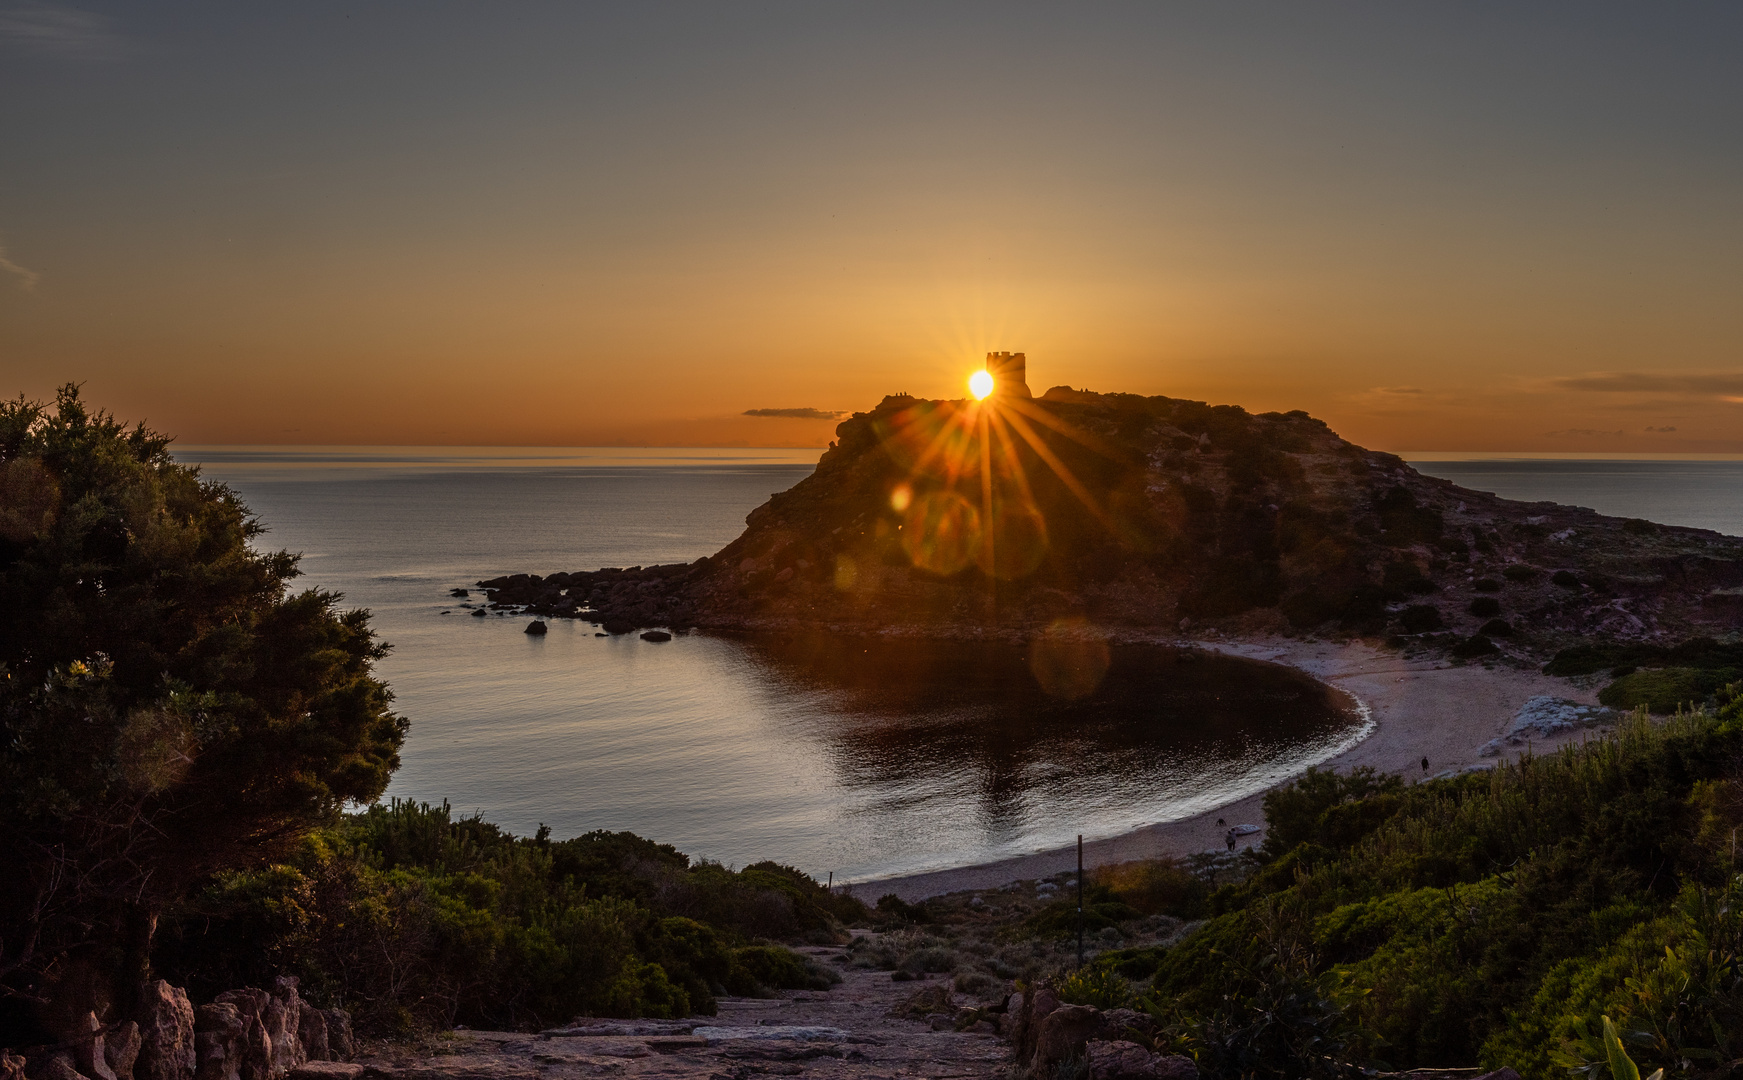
1230, 837
1425, 765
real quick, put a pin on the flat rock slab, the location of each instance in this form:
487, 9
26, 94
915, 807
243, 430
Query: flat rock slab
326, 1070
772, 1031
1543, 717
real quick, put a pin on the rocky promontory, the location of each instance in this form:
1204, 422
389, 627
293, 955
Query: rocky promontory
1146, 515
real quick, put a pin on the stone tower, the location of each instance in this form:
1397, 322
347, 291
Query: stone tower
1010, 373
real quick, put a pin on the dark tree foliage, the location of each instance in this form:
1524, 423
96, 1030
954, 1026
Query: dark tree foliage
169, 709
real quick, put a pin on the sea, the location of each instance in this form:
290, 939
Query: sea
849, 759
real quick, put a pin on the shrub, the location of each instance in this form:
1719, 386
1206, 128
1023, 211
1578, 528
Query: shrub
1155, 887
1664, 690
1639, 527
1485, 607
1486, 585
1496, 628
1488, 915
1420, 619
1521, 572
1474, 646
1097, 986
1565, 578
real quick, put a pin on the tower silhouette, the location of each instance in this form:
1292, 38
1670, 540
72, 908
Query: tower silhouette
1010, 373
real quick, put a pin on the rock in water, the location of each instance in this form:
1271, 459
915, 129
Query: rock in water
656, 635
166, 1034
537, 627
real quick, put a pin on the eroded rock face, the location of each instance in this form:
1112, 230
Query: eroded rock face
89, 1055
220, 1040
340, 1045
11, 1066
166, 1034
121, 1049
254, 1055
312, 1033
282, 1017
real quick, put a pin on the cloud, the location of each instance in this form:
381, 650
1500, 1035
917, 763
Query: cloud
1720, 384
1661, 429
27, 279
798, 414
1396, 390
1581, 433
53, 28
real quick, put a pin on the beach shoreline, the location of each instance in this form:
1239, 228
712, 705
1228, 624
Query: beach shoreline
1429, 708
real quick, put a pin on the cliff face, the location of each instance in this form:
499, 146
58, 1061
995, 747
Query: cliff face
1160, 514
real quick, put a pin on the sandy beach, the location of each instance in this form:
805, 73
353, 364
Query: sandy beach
1427, 708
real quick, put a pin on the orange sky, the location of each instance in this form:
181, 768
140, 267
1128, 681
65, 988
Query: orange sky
1459, 228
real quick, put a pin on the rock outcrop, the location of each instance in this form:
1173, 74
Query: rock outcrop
1157, 514
246, 1034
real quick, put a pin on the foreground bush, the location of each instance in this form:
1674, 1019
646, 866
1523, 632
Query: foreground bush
414, 918
1488, 919
169, 708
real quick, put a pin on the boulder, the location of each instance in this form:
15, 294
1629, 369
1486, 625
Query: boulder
88, 1054
253, 1056
11, 1066
58, 1067
166, 1034
312, 1033
340, 1045
615, 626
282, 1017
656, 635
1063, 1033
121, 1048
220, 1041
1117, 1059
537, 627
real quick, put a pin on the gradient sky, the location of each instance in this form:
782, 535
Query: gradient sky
1454, 226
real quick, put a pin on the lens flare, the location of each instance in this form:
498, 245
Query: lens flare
980, 384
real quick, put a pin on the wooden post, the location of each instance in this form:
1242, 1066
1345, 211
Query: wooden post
1079, 899
831, 885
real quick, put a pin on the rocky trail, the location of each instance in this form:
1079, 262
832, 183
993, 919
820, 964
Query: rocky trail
850, 1030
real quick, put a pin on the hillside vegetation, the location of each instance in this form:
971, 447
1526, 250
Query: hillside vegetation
1490, 919
415, 919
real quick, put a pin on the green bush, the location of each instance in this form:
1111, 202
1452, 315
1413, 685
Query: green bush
1097, 985
1484, 919
1665, 690
410, 916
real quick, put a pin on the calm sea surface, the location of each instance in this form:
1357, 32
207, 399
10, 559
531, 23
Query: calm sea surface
836, 756
843, 756
1704, 494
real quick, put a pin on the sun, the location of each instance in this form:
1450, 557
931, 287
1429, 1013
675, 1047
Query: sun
980, 384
